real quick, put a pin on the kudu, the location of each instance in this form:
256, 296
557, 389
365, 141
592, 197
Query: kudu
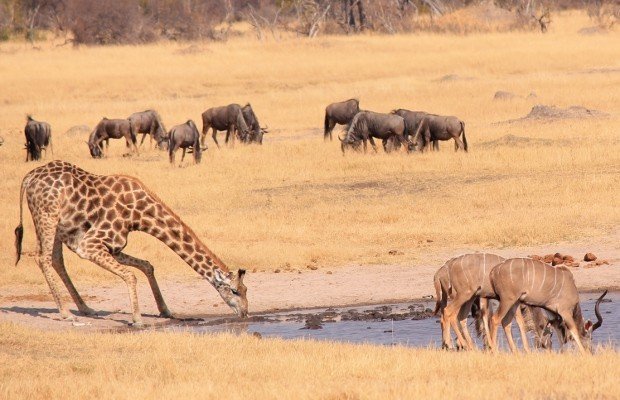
535, 283
339, 113
38, 137
465, 279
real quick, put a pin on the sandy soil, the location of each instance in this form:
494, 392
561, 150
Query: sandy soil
347, 285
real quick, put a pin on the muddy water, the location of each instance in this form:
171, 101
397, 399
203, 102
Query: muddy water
408, 324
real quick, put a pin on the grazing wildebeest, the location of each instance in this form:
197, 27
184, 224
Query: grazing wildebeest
111, 129
367, 125
228, 118
255, 134
38, 137
412, 122
149, 123
535, 283
184, 136
465, 281
339, 113
438, 127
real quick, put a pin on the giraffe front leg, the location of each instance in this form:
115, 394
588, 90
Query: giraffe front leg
99, 254
148, 270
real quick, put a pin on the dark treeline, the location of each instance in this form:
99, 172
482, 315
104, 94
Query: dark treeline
140, 21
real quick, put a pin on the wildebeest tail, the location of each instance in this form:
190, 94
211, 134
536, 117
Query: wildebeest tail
463, 132
19, 231
326, 125
241, 124
132, 132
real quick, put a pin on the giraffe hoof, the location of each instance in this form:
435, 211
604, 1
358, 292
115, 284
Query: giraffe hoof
137, 324
68, 317
165, 314
88, 311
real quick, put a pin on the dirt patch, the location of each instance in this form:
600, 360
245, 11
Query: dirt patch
545, 113
592, 30
193, 49
78, 131
516, 141
503, 95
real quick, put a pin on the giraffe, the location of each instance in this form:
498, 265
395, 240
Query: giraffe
92, 215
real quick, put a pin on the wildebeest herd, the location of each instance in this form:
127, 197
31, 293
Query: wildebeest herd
239, 123
413, 130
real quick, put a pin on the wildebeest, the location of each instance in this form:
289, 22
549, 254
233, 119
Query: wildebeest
255, 132
149, 123
228, 118
111, 129
367, 125
339, 113
38, 137
438, 127
184, 136
412, 122
535, 283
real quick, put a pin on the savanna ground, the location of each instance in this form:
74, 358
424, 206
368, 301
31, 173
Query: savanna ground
297, 202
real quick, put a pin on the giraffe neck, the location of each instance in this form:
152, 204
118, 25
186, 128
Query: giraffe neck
160, 222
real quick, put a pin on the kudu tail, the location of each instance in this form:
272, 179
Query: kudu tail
439, 295
19, 231
463, 132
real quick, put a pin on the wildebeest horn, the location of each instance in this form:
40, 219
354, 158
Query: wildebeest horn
340, 138
597, 312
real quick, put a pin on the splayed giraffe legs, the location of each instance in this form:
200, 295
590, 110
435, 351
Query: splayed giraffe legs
148, 270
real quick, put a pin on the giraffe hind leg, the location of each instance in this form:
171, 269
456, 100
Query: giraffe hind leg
59, 265
148, 270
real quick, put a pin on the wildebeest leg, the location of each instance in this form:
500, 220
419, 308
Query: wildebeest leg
183, 155
144, 137
214, 136
372, 143
435, 145
458, 143
330, 127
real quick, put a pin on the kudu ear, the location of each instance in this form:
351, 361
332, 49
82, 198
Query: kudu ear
588, 325
241, 275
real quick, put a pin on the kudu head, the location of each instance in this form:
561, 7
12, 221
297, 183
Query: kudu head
230, 286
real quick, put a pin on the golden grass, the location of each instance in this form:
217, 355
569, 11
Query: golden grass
295, 199
72, 365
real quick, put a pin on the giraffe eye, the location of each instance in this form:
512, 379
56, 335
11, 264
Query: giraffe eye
235, 292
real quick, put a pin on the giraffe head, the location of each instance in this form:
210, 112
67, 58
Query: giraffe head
233, 291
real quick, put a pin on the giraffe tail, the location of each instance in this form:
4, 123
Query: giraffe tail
19, 231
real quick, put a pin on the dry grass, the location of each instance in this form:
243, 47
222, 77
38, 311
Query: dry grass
159, 365
296, 199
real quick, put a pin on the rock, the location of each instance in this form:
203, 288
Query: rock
257, 335
503, 95
395, 253
277, 271
589, 257
312, 267
536, 257
568, 259
548, 258
329, 272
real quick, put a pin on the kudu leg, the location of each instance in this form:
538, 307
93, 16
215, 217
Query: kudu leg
504, 308
574, 331
449, 318
485, 313
522, 330
462, 316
